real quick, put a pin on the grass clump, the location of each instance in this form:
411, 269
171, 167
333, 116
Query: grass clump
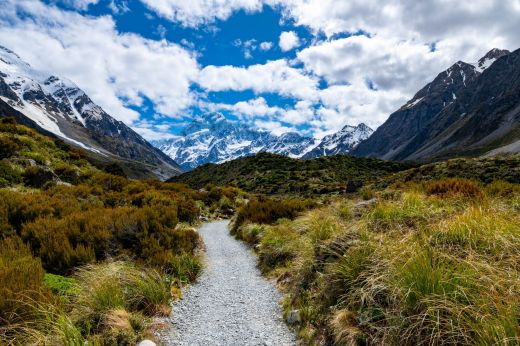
21, 277
454, 187
267, 211
431, 264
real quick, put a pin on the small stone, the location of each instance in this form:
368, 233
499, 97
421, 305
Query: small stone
147, 343
293, 317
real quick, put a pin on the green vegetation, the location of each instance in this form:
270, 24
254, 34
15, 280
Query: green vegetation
87, 256
271, 174
484, 170
430, 263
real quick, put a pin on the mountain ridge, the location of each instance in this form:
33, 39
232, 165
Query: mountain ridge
211, 138
57, 105
441, 120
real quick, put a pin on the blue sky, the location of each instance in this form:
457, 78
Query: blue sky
310, 66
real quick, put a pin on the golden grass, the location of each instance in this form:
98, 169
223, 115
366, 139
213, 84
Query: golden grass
432, 265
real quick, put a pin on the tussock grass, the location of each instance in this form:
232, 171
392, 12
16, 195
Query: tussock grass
110, 304
427, 264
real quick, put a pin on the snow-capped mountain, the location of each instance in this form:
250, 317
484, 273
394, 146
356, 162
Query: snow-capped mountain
469, 109
341, 142
211, 138
58, 106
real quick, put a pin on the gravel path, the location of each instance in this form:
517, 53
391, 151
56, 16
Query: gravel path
232, 304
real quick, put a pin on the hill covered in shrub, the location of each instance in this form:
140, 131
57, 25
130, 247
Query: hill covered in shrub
279, 175
88, 256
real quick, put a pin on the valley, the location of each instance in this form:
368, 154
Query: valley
224, 179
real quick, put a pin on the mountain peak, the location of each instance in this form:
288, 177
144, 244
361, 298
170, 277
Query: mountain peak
490, 57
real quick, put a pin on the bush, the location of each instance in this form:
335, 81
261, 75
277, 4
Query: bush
36, 176
8, 175
8, 148
454, 187
268, 211
68, 174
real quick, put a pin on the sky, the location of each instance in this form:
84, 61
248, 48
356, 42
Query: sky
311, 66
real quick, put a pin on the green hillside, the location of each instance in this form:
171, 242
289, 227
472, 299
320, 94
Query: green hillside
88, 257
277, 175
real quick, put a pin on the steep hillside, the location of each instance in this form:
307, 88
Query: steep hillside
58, 106
467, 110
276, 174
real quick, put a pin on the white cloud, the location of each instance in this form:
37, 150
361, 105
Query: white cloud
288, 41
265, 46
273, 77
245, 110
394, 56
79, 4
118, 7
192, 13
275, 127
108, 65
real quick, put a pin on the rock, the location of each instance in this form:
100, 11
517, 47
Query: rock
293, 317
147, 343
353, 186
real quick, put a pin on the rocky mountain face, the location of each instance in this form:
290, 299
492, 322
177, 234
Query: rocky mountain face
211, 138
469, 110
58, 106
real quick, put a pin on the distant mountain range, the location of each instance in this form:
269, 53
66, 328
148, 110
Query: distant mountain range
467, 110
57, 106
211, 138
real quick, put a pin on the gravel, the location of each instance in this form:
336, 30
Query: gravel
231, 304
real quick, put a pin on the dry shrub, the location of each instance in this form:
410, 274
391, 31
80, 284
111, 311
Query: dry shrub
345, 330
8, 148
454, 187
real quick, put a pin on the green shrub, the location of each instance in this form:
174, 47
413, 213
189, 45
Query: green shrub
36, 176
61, 286
9, 175
68, 174
8, 148
268, 211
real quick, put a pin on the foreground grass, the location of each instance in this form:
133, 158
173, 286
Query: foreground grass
112, 303
422, 264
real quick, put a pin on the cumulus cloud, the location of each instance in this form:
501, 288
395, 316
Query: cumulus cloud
246, 110
192, 13
273, 77
288, 41
275, 127
78, 4
265, 46
383, 57
117, 70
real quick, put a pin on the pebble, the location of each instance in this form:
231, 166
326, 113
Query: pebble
231, 304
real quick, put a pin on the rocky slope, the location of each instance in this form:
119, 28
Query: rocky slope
468, 109
58, 106
211, 138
